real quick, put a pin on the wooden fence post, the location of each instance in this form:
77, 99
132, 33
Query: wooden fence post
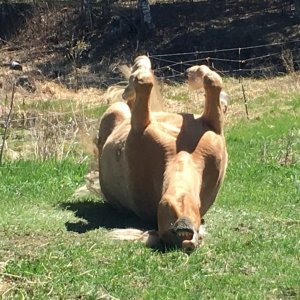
7, 122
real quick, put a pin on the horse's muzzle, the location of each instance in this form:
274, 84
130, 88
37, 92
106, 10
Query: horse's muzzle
186, 234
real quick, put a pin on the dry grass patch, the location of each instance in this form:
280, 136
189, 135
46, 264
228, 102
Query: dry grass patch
55, 120
262, 95
5, 286
49, 91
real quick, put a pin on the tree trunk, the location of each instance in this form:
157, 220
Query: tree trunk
145, 14
297, 9
87, 12
106, 7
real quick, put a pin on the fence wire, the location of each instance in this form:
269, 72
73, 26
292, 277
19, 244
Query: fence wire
270, 63
44, 128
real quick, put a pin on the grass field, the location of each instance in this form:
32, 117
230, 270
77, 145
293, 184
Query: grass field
54, 246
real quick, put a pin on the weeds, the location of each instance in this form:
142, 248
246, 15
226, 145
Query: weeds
288, 60
284, 151
74, 54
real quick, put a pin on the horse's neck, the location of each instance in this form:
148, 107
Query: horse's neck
182, 176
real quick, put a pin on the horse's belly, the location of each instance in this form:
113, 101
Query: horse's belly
114, 173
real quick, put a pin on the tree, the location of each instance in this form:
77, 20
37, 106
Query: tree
145, 15
297, 9
86, 6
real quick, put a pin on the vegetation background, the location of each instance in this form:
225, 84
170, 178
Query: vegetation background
59, 71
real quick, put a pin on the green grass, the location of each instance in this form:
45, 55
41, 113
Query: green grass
95, 112
53, 246
48, 105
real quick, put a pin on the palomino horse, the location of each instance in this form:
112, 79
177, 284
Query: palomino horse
167, 168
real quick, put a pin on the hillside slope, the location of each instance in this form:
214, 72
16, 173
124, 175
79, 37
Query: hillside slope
56, 41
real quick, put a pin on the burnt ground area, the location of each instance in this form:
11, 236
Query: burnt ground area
57, 40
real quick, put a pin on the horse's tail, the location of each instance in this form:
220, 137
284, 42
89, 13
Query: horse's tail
150, 237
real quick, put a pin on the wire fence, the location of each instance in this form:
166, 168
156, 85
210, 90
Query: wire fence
273, 59
52, 132
163, 64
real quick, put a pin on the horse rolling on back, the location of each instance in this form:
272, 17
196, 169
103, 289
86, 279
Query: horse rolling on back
167, 168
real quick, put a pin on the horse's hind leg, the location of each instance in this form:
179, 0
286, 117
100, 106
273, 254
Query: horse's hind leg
113, 116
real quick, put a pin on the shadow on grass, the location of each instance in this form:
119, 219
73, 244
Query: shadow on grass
101, 215
96, 215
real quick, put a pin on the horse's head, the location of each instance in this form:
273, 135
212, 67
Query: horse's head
179, 223
179, 217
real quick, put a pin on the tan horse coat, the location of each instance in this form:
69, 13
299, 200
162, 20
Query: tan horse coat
166, 168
